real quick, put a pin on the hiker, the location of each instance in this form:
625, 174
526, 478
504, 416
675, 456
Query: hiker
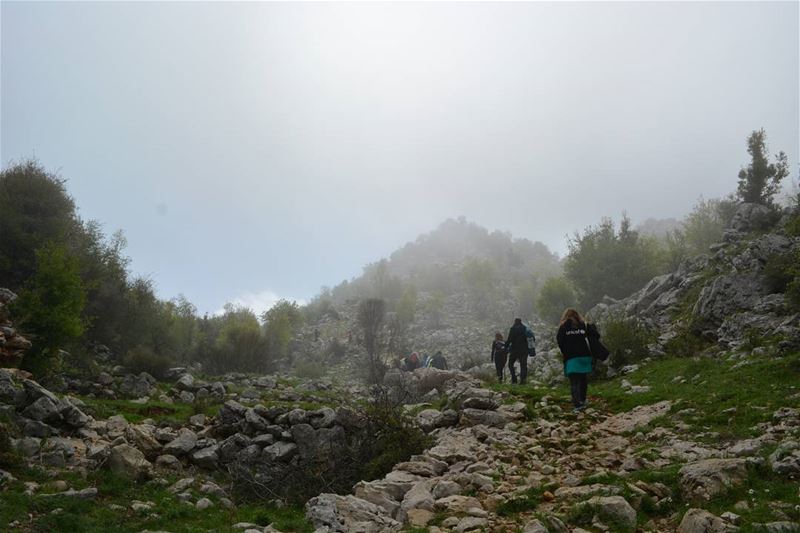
412, 362
426, 360
517, 348
499, 356
438, 361
573, 340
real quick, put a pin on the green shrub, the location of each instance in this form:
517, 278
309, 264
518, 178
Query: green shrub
49, 307
626, 339
142, 359
782, 274
381, 436
526, 502
555, 296
394, 439
793, 225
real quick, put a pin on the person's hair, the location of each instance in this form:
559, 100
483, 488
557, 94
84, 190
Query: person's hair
517, 321
498, 336
571, 315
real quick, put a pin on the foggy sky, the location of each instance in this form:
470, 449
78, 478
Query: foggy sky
257, 150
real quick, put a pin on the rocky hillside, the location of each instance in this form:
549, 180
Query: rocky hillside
724, 298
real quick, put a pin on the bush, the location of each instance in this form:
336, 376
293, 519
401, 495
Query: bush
394, 438
383, 437
605, 261
555, 296
50, 307
626, 339
782, 274
142, 359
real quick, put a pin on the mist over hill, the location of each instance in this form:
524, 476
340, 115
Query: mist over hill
458, 257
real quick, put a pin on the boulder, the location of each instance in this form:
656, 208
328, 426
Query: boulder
475, 417
230, 418
186, 383
785, 460
419, 497
749, 217
137, 385
430, 419
73, 417
613, 508
322, 418
34, 391
381, 494
43, 409
701, 521
182, 444
535, 526
342, 514
206, 457
127, 460
702, 480
320, 444
280, 451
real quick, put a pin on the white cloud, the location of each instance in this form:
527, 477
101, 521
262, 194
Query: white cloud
259, 302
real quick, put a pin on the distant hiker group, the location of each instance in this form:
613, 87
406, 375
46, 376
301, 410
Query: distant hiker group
578, 341
520, 344
413, 361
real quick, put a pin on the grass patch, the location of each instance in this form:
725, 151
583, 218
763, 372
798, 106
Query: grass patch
171, 413
727, 400
40, 514
526, 502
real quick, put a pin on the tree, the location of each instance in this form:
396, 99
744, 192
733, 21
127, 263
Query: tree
434, 307
555, 296
607, 262
280, 323
479, 276
371, 313
240, 343
401, 319
35, 209
761, 180
50, 307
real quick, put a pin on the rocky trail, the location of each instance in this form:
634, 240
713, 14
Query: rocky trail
501, 459
558, 471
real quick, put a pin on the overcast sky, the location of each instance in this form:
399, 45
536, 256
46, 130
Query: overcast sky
257, 150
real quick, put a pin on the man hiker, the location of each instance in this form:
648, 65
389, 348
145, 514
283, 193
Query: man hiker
438, 361
517, 348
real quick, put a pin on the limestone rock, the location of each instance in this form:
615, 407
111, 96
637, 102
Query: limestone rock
705, 479
342, 514
127, 460
701, 521
182, 444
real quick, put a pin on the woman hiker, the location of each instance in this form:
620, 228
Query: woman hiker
573, 340
499, 356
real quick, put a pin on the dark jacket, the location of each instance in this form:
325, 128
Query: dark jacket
517, 341
499, 351
438, 361
572, 339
